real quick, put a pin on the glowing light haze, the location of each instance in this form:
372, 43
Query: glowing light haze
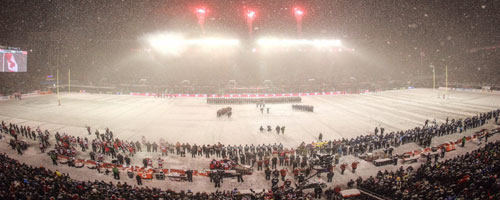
201, 14
299, 14
176, 44
250, 15
272, 42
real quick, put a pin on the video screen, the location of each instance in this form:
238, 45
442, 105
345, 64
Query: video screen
13, 60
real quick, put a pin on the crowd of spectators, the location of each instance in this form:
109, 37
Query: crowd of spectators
21, 181
268, 156
470, 176
381, 140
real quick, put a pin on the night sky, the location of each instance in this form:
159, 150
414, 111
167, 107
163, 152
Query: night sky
443, 29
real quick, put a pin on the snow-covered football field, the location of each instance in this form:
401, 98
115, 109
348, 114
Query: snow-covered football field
193, 120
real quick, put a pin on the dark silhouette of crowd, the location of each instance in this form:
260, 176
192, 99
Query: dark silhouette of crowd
21, 181
268, 156
470, 176
420, 135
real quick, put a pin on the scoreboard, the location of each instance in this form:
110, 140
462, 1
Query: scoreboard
13, 60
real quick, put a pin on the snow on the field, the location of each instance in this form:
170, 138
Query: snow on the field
192, 120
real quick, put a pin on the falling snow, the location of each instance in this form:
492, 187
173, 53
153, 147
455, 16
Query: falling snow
385, 45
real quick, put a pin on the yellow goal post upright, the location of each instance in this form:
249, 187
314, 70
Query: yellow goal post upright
57, 88
444, 94
69, 80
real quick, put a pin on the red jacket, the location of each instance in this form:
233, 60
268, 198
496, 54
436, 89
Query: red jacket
342, 166
354, 165
283, 172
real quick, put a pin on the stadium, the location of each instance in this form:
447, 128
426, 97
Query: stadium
249, 100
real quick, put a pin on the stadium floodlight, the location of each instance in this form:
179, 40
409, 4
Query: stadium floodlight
299, 13
166, 43
270, 42
250, 15
194, 42
201, 11
327, 43
165, 39
201, 14
176, 44
213, 42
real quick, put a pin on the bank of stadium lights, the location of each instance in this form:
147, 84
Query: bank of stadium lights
213, 42
204, 42
270, 42
176, 44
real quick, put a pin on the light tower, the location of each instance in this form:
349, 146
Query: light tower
250, 15
201, 14
299, 14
